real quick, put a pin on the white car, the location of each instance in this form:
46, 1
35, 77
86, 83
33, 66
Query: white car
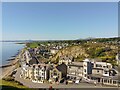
77, 81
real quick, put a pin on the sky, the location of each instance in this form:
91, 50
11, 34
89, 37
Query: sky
58, 21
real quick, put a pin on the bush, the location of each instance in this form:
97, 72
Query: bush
8, 79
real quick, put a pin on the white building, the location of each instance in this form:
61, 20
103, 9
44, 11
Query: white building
104, 66
66, 60
37, 73
118, 58
87, 68
53, 51
26, 56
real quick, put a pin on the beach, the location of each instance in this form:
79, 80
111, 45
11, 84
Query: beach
7, 69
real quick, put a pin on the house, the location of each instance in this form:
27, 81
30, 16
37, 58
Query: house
110, 80
40, 73
103, 73
36, 50
37, 73
118, 58
53, 51
104, 80
91, 70
102, 68
26, 72
26, 56
65, 59
57, 73
75, 70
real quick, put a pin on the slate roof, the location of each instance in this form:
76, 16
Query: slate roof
76, 64
33, 61
96, 75
61, 67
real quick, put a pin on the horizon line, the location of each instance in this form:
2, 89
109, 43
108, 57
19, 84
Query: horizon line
60, 39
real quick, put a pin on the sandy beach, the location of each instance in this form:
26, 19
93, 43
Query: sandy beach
11, 66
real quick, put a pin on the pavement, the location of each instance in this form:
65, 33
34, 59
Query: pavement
30, 84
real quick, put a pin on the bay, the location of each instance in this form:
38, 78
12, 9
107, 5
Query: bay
7, 50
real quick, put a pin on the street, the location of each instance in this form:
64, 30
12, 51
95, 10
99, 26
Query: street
30, 84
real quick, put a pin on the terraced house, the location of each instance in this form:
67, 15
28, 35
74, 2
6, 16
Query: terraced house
37, 73
89, 70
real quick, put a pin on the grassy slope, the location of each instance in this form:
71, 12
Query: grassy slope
12, 84
97, 50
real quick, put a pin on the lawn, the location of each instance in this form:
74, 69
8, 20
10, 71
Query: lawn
33, 45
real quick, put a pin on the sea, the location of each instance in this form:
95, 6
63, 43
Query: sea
9, 50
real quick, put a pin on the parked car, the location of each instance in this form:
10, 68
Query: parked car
70, 82
77, 81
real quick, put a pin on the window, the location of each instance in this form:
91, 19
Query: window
55, 73
84, 65
39, 78
105, 72
104, 66
84, 70
42, 78
42, 73
114, 82
92, 65
110, 81
98, 65
98, 71
105, 80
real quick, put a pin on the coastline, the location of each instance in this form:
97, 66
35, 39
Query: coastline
7, 69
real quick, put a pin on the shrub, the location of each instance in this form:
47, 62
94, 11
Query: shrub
8, 79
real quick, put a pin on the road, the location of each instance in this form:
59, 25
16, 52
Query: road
30, 84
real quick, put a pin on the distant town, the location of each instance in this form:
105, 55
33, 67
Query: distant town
92, 62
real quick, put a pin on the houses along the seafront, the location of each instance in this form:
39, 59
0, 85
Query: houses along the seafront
67, 70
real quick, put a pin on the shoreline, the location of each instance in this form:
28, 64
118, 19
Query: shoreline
7, 69
10, 62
